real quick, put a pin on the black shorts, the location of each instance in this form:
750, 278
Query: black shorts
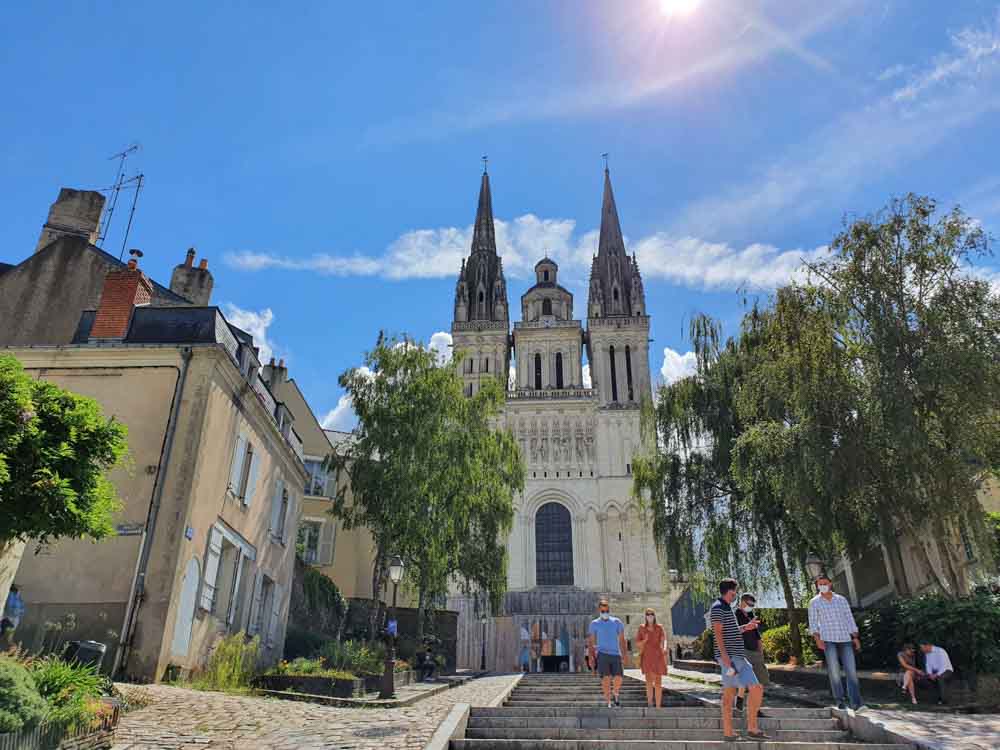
609, 665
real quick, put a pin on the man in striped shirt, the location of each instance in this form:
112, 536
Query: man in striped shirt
737, 672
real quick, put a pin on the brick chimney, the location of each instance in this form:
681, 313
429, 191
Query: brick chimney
123, 290
274, 374
76, 213
194, 284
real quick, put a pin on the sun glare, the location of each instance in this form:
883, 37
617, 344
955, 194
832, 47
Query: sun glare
671, 8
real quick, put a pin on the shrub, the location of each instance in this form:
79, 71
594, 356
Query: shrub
704, 645
777, 644
302, 643
21, 706
70, 689
231, 665
310, 668
354, 656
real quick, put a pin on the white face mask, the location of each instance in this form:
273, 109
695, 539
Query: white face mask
748, 610
605, 615
824, 588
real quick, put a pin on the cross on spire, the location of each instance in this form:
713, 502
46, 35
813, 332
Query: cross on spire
485, 160
605, 157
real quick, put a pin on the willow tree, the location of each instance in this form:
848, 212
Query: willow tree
429, 475
919, 334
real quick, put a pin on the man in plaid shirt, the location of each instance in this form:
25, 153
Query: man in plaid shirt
836, 634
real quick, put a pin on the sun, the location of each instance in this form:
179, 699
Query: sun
671, 8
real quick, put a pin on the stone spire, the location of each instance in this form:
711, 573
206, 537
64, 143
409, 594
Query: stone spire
615, 285
481, 291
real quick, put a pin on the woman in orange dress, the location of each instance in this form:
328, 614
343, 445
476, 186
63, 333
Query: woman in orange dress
652, 643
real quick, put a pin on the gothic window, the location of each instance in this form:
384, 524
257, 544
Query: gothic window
546, 307
538, 372
628, 372
614, 375
559, 370
486, 364
615, 294
545, 275
553, 546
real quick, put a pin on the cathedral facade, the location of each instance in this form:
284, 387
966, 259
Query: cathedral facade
579, 534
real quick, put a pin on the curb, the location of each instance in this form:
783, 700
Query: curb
454, 725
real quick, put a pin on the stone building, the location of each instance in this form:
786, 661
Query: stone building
579, 534
211, 495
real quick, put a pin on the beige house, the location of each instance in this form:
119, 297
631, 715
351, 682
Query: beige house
212, 490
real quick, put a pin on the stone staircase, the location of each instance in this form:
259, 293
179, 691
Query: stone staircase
567, 712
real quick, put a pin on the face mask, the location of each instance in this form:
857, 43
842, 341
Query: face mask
748, 610
824, 588
605, 615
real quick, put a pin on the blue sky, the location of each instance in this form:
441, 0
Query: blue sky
325, 158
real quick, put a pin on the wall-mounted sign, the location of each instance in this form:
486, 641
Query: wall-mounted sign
129, 529
189, 533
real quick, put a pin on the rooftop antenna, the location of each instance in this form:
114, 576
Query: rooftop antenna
485, 160
605, 157
121, 156
135, 199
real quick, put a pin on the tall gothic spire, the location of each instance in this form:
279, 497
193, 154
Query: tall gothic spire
483, 235
615, 284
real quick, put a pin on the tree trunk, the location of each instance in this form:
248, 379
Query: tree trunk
11, 551
945, 547
891, 544
374, 614
421, 607
786, 587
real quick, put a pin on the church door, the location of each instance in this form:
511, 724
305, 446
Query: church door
553, 546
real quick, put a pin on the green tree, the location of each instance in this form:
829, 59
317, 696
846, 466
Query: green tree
919, 335
56, 448
431, 477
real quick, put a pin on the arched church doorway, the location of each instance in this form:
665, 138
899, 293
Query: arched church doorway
553, 546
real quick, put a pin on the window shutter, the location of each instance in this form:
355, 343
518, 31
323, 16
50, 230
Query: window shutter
289, 519
254, 615
212, 557
252, 478
326, 536
279, 487
235, 593
275, 622
236, 471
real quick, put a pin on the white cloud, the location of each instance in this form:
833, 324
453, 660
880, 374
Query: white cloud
440, 343
341, 417
254, 323
585, 376
893, 71
864, 144
677, 366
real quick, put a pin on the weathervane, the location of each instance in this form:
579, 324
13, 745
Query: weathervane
485, 160
605, 157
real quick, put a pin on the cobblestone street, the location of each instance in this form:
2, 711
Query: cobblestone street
181, 718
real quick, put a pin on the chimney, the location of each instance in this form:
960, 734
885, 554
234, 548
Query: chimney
274, 374
123, 290
193, 284
76, 213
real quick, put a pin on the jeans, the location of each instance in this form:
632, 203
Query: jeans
840, 665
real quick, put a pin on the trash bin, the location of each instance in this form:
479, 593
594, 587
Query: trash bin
85, 652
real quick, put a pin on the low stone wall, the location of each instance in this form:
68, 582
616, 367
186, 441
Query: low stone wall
334, 688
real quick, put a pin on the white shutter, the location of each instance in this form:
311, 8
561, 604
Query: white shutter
279, 488
290, 522
252, 479
326, 536
274, 626
236, 471
254, 614
234, 595
212, 557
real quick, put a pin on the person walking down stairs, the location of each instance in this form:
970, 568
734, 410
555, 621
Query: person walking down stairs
607, 634
737, 671
652, 643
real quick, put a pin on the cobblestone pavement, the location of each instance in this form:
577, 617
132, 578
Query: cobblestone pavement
183, 719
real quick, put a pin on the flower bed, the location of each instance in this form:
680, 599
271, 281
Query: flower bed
335, 687
98, 736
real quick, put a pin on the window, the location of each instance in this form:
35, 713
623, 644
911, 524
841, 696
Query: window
628, 468
468, 366
281, 507
308, 540
244, 470
316, 484
559, 370
265, 615
553, 546
614, 375
538, 372
546, 307
615, 294
227, 562
468, 389
545, 275
628, 372
486, 364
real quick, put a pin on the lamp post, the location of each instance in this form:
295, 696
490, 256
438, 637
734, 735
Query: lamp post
482, 664
814, 566
388, 676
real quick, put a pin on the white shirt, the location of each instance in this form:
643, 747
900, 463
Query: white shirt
937, 661
832, 619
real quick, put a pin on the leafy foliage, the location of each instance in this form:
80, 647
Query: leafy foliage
302, 643
231, 666
55, 450
70, 689
777, 644
993, 526
21, 706
354, 656
704, 645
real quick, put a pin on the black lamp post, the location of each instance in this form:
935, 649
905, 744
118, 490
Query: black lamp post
482, 664
814, 566
388, 676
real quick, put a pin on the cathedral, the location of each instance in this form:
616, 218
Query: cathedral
579, 534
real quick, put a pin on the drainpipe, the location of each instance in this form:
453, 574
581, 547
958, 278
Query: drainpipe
138, 583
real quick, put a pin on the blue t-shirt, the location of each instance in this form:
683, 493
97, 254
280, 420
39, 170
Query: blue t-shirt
607, 632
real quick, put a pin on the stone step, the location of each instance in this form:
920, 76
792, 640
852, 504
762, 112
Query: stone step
589, 701
635, 733
710, 712
616, 722
597, 744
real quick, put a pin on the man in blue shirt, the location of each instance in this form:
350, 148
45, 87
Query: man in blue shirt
607, 634
13, 611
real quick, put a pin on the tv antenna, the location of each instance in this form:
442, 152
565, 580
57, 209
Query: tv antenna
121, 156
137, 181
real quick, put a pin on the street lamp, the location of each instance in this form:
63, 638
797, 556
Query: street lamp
388, 675
482, 664
814, 566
